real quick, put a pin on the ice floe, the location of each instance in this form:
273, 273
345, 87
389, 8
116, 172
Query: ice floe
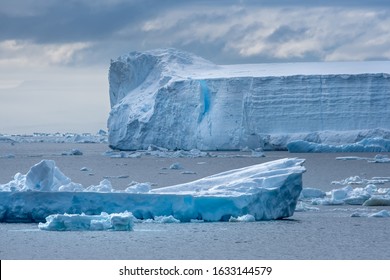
370, 195
377, 159
80, 222
73, 152
245, 218
380, 214
266, 191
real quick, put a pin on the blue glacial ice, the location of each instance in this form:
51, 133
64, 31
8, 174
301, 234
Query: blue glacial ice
365, 145
265, 191
177, 100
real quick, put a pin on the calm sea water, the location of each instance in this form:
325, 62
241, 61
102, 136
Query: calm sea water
330, 233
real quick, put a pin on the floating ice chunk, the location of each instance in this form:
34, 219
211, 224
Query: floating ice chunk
81, 222
340, 194
162, 220
188, 172
381, 214
156, 148
102, 132
356, 180
358, 196
71, 187
350, 180
45, 176
176, 166
312, 193
245, 218
304, 207
380, 159
257, 154
103, 187
377, 159
84, 169
196, 221
351, 158
116, 177
369, 195
378, 200
139, 188
73, 152
17, 184
357, 200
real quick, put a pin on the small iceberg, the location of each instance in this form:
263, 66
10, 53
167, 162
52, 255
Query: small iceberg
81, 222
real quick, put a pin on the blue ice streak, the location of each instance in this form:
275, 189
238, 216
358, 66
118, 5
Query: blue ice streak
205, 96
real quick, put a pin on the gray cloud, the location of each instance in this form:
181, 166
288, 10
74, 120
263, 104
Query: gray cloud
40, 38
229, 32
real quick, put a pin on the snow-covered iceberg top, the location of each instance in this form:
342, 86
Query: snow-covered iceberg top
177, 100
265, 191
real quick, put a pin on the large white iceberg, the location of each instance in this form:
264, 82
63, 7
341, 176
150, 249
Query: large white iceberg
265, 191
177, 100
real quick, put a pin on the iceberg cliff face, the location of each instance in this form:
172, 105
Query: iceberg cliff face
175, 100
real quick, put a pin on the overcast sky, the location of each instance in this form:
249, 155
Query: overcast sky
55, 54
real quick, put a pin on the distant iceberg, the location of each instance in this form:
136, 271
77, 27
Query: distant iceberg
100, 137
177, 100
265, 191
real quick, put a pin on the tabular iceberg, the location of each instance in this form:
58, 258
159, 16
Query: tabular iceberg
265, 191
177, 100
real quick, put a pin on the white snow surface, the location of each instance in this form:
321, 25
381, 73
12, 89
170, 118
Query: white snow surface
265, 191
176, 100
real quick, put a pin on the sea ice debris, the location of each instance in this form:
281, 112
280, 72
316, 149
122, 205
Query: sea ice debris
82, 222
